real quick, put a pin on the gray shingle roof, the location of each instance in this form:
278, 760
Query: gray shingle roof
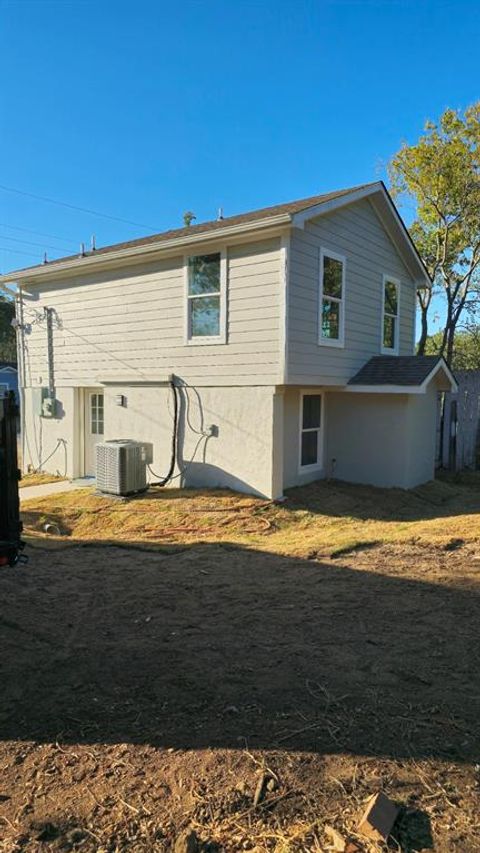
290, 207
396, 370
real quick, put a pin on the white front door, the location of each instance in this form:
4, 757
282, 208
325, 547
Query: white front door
94, 426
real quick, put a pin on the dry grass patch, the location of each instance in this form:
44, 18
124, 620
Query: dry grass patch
157, 518
39, 479
322, 519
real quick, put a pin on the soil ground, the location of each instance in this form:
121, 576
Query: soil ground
150, 688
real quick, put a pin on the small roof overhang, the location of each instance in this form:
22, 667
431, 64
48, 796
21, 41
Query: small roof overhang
392, 374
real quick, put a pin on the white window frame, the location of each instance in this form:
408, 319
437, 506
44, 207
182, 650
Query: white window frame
96, 394
383, 349
340, 341
204, 340
319, 465
4, 386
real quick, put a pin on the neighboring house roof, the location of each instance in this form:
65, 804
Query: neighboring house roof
401, 372
8, 365
294, 213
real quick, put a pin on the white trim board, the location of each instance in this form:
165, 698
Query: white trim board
284, 308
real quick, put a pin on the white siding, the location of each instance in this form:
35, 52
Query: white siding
131, 321
357, 233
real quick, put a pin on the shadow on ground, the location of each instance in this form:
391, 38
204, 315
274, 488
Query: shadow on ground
219, 646
447, 496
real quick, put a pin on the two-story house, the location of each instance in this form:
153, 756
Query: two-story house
287, 334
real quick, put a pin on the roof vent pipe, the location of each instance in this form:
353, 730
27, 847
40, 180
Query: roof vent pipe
93, 243
220, 214
82, 250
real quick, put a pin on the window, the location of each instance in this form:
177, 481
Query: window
96, 414
390, 315
206, 279
310, 431
332, 298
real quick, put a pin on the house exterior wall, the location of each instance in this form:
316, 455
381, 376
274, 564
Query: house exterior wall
367, 438
132, 321
239, 455
384, 440
356, 232
421, 445
124, 330
54, 440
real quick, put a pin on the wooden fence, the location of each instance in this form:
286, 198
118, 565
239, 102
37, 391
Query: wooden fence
458, 424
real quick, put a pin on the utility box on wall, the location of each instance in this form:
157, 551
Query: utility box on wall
45, 406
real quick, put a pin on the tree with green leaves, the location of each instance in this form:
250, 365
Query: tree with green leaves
441, 175
8, 344
466, 348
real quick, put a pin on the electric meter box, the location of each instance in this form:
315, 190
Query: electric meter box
44, 404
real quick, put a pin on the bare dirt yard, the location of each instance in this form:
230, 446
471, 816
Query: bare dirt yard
249, 671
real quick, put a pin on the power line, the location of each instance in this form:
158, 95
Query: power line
74, 207
18, 252
39, 233
30, 243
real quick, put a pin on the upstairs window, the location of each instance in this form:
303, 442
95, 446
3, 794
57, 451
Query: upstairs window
390, 315
206, 279
332, 299
310, 431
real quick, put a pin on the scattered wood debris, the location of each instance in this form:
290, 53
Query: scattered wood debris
338, 842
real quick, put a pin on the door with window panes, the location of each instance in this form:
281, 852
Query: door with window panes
311, 432
94, 426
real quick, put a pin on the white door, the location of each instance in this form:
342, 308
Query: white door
94, 426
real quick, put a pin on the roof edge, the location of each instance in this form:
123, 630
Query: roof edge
297, 219
92, 260
395, 388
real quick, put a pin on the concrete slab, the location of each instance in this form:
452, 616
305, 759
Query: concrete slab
47, 489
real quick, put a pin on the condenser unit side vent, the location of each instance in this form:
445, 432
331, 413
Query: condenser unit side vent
121, 466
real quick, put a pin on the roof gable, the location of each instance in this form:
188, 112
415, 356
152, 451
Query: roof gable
294, 213
401, 372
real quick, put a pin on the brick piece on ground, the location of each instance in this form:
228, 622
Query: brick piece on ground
378, 818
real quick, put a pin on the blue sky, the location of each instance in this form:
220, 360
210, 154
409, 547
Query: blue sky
145, 109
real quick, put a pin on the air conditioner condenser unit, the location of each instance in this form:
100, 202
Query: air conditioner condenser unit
121, 466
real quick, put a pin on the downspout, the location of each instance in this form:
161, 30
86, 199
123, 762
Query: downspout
21, 367
284, 276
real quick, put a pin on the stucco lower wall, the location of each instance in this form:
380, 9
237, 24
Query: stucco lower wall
49, 444
383, 440
244, 453
238, 456
422, 426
